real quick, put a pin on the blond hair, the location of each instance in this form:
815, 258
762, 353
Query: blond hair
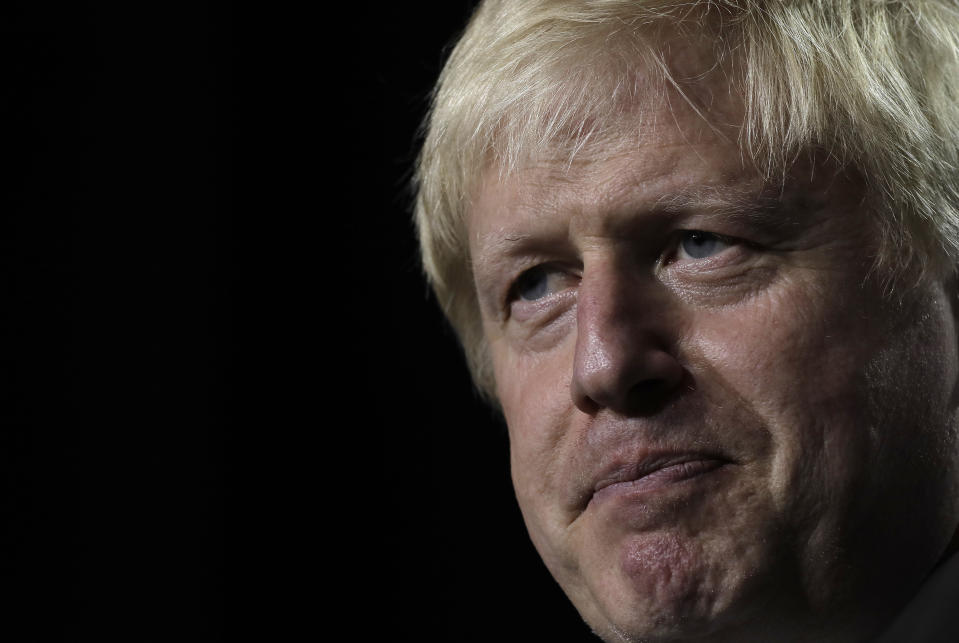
873, 82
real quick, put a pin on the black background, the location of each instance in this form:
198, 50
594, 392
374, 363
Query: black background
229, 406
116, 246
449, 558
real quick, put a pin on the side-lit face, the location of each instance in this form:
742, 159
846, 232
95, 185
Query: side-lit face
719, 425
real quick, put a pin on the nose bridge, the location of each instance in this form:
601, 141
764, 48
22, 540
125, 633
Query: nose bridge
604, 310
624, 357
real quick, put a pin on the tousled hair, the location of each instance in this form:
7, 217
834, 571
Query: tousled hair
873, 83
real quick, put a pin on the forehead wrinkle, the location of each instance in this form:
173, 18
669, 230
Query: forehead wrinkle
612, 199
539, 204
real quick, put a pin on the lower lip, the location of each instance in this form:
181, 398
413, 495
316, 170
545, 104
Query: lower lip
660, 479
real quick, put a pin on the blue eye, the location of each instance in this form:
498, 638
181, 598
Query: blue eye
696, 244
532, 284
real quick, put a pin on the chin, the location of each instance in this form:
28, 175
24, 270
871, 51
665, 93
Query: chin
667, 588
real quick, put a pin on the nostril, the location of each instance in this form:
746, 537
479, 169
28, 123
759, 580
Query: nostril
628, 394
648, 387
648, 397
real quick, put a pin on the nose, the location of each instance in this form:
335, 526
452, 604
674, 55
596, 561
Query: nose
625, 334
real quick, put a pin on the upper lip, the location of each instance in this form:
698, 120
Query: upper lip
641, 465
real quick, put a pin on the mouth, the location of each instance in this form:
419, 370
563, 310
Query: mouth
660, 474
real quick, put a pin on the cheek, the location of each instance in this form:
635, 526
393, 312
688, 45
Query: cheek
841, 385
795, 357
764, 352
911, 389
534, 392
533, 389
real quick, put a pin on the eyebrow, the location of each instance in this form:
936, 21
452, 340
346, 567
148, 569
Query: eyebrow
498, 251
767, 208
722, 202
771, 208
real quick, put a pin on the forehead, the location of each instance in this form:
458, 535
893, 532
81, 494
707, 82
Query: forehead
679, 123
675, 156
604, 119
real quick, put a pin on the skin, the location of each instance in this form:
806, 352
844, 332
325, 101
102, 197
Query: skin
815, 415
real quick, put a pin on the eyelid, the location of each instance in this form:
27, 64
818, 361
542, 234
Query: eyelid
672, 248
512, 294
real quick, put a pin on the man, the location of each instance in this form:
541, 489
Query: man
702, 255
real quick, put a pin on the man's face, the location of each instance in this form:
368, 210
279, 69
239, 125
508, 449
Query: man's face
719, 424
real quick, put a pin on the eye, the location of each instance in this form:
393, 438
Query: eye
532, 284
539, 282
696, 244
